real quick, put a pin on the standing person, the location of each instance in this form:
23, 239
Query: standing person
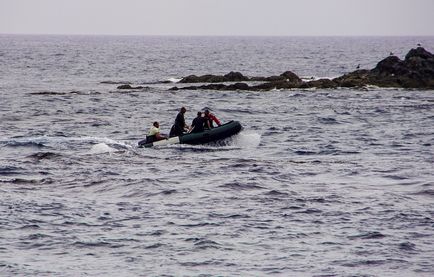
210, 118
154, 133
198, 124
179, 127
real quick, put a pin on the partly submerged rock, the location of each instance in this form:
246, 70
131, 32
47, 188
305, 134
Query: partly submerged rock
321, 83
129, 87
236, 86
291, 77
235, 77
209, 78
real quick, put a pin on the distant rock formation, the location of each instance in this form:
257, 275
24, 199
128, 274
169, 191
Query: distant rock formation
415, 71
230, 77
129, 87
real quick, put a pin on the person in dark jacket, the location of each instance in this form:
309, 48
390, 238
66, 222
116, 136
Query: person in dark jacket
198, 124
179, 127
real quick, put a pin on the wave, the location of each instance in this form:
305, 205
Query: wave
425, 192
44, 156
368, 235
10, 170
327, 120
174, 80
22, 144
24, 181
241, 186
99, 144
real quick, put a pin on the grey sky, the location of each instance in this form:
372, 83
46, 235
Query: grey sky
218, 17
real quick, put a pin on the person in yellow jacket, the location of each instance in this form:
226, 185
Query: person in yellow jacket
154, 133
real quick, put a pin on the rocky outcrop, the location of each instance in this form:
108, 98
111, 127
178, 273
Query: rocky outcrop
415, 71
321, 83
236, 86
230, 77
129, 87
357, 78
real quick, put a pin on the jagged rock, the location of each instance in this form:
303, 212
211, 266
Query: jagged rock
239, 86
129, 87
419, 52
390, 66
416, 71
274, 79
264, 86
275, 85
235, 77
357, 78
291, 77
321, 83
202, 79
230, 77
259, 79
210, 87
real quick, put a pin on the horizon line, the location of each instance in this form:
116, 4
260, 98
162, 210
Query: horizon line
201, 35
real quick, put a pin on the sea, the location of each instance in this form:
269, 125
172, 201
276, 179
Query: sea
320, 182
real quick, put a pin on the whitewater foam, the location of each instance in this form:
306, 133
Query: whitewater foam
174, 80
101, 148
247, 139
59, 140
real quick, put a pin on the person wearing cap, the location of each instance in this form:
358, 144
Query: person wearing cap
154, 133
209, 117
179, 127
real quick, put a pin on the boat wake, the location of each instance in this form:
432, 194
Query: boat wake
242, 140
98, 145
246, 140
101, 148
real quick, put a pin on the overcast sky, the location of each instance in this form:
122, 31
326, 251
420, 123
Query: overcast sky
218, 17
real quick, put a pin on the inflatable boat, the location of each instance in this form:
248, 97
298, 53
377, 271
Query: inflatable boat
209, 135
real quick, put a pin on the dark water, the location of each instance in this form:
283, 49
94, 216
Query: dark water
319, 183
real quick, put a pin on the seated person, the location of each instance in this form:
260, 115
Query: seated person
154, 133
210, 118
198, 124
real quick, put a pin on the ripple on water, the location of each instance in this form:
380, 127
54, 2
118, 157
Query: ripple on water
277, 194
241, 186
368, 235
24, 144
44, 156
11, 170
407, 246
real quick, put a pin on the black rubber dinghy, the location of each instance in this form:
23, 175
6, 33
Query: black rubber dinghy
210, 135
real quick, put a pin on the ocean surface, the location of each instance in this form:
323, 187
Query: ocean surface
319, 182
